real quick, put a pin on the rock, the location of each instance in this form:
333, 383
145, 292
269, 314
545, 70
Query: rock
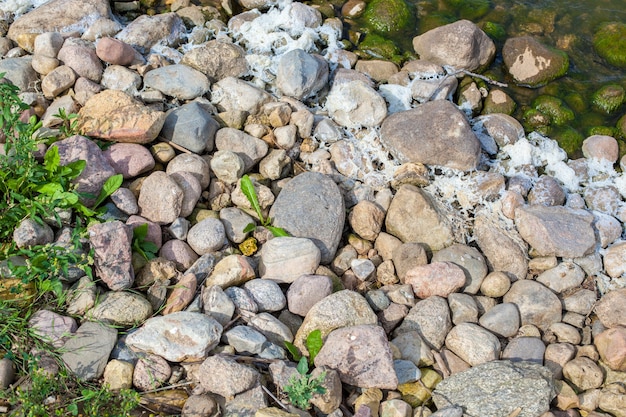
277, 163
118, 374
129, 159
611, 308
503, 320
31, 233
81, 57
273, 329
547, 191
113, 51
192, 191
524, 348
151, 372
463, 307
361, 355
300, 75
190, 126
245, 339
332, 398
306, 291
160, 198
283, 259
117, 77
97, 169
340, 309
583, 374
503, 248
613, 400
389, 17
226, 94
346, 105
366, 219
195, 164
217, 60
225, 377
433, 133
614, 260
565, 276
611, 345
82, 296
502, 128
580, 301
495, 284
55, 17
461, 45
601, 148
217, 304
147, 31
470, 260
536, 303
414, 216
378, 70
408, 256
250, 149
179, 81
430, 318
608, 43
101, 117
242, 300
235, 221
267, 294
154, 230
52, 327
111, 242
436, 278
498, 388
319, 197
227, 166
87, 351
182, 294
122, 308
177, 337
413, 348
532, 64
473, 344
231, 271
57, 81
207, 236
200, 405
557, 355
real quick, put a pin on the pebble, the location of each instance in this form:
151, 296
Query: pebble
217, 304
267, 294
161, 198
87, 353
207, 236
225, 377
199, 405
122, 308
537, 305
613, 259
229, 271
283, 259
557, 355
306, 291
179, 252
495, 284
611, 345
473, 344
406, 256
524, 348
7, 373
151, 372
52, 327
469, 260
190, 125
119, 374
111, 242
272, 328
366, 219
437, 278
189, 162
583, 374
179, 81
503, 320
611, 309
245, 339
242, 300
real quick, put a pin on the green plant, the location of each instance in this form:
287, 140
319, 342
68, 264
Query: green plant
313, 345
303, 386
142, 246
69, 123
247, 187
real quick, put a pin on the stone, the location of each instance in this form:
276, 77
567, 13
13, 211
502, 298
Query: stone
340, 309
502, 128
267, 294
151, 372
245, 339
306, 291
537, 305
436, 278
177, 337
190, 126
495, 284
272, 328
225, 377
473, 344
217, 60
179, 81
230, 271
227, 166
57, 81
408, 256
118, 374
346, 105
426, 135
129, 159
122, 308
546, 191
276, 164
48, 44
531, 63
115, 116
413, 348
470, 260
430, 318
192, 191
182, 294
283, 259
207, 236
217, 304
414, 216
366, 219
318, 196
525, 348
498, 388
82, 296
242, 300
611, 308
557, 355
226, 94
613, 400
503, 320
361, 355
31, 233
565, 276
160, 198
189, 162
611, 345
87, 351
117, 77
613, 260
52, 327
461, 45
463, 307
250, 149
580, 301
601, 148
583, 374
114, 51
199, 405
81, 57
111, 242
20, 72
147, 31
301, 75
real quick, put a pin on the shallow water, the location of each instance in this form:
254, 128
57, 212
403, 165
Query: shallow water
566, 25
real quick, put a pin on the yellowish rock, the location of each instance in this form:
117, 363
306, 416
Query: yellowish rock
370, 398
273, 412
118, 375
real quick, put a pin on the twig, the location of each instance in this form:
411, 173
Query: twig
515, 412
452, 71
182, 384
283, 406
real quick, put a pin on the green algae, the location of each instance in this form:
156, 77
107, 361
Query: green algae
555, 108
389, 16
610, 43
469, 9
569, 139
608, 98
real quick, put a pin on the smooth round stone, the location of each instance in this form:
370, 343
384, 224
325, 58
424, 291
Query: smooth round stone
284, 259
180, 81
193, 163
151, 372
503, 320
267, 294
525, 348
470, 260
495, 284
242, 299
583, 373
536, 303
473, 344
563, 277
306, 291
557, 355
191, 188
207, 236
377, 300
566, 333
217, 304
245, 339
7, 373
119, 374
227, 166
272, 328
179, 252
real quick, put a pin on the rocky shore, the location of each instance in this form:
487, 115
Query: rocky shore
453, 263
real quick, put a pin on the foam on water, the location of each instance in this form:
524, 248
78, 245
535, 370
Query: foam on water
19, 7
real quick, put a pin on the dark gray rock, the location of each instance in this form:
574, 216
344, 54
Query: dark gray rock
311, 206
87, 351
191, 126
497, 388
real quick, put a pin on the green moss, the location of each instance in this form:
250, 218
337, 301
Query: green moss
576, 102
621, 127
469, 9
553, 107
378, 46
494, 30
602, 130
569, 139
389, 17
610, 43
608, 98
435, 20
535, 121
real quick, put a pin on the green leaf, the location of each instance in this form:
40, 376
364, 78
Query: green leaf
247, 188
52, 159
113, 183
140, 232
277, 231
49, 188
249, 228
314, 344
73, 409
295, 352
303, 366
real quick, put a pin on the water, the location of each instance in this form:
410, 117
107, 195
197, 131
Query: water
566, 25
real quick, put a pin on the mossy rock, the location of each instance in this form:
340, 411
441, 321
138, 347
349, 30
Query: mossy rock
621, 127
494, 30
610, 43
603, 130
576, 102
554, 108
608, 98
497, 101
435, 20
535, 121
389, 17
378, 46
569, 139
469, 9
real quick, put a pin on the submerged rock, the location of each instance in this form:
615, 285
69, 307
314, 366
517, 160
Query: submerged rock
532, 64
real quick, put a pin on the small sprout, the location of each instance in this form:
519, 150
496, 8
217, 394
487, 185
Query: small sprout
247, 187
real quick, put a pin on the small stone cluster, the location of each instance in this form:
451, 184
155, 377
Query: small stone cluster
477, 270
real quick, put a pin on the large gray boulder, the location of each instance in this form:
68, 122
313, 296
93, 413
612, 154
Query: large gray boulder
433, 133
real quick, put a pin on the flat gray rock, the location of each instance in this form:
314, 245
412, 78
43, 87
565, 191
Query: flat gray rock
178, 81
536, 303
87, 351
122, 308
430, 318
300, 74
190, 126
311, 206
497, 389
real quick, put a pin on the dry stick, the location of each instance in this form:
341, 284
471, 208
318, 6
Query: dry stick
515, 412
452, 71
283, 406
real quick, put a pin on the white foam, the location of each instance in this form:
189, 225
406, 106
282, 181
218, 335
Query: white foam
19, 7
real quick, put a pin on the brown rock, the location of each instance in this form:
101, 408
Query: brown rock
115, 51
611, 345
611, 309
436, 278
366, 219
583, 373
115, 116
183, 293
